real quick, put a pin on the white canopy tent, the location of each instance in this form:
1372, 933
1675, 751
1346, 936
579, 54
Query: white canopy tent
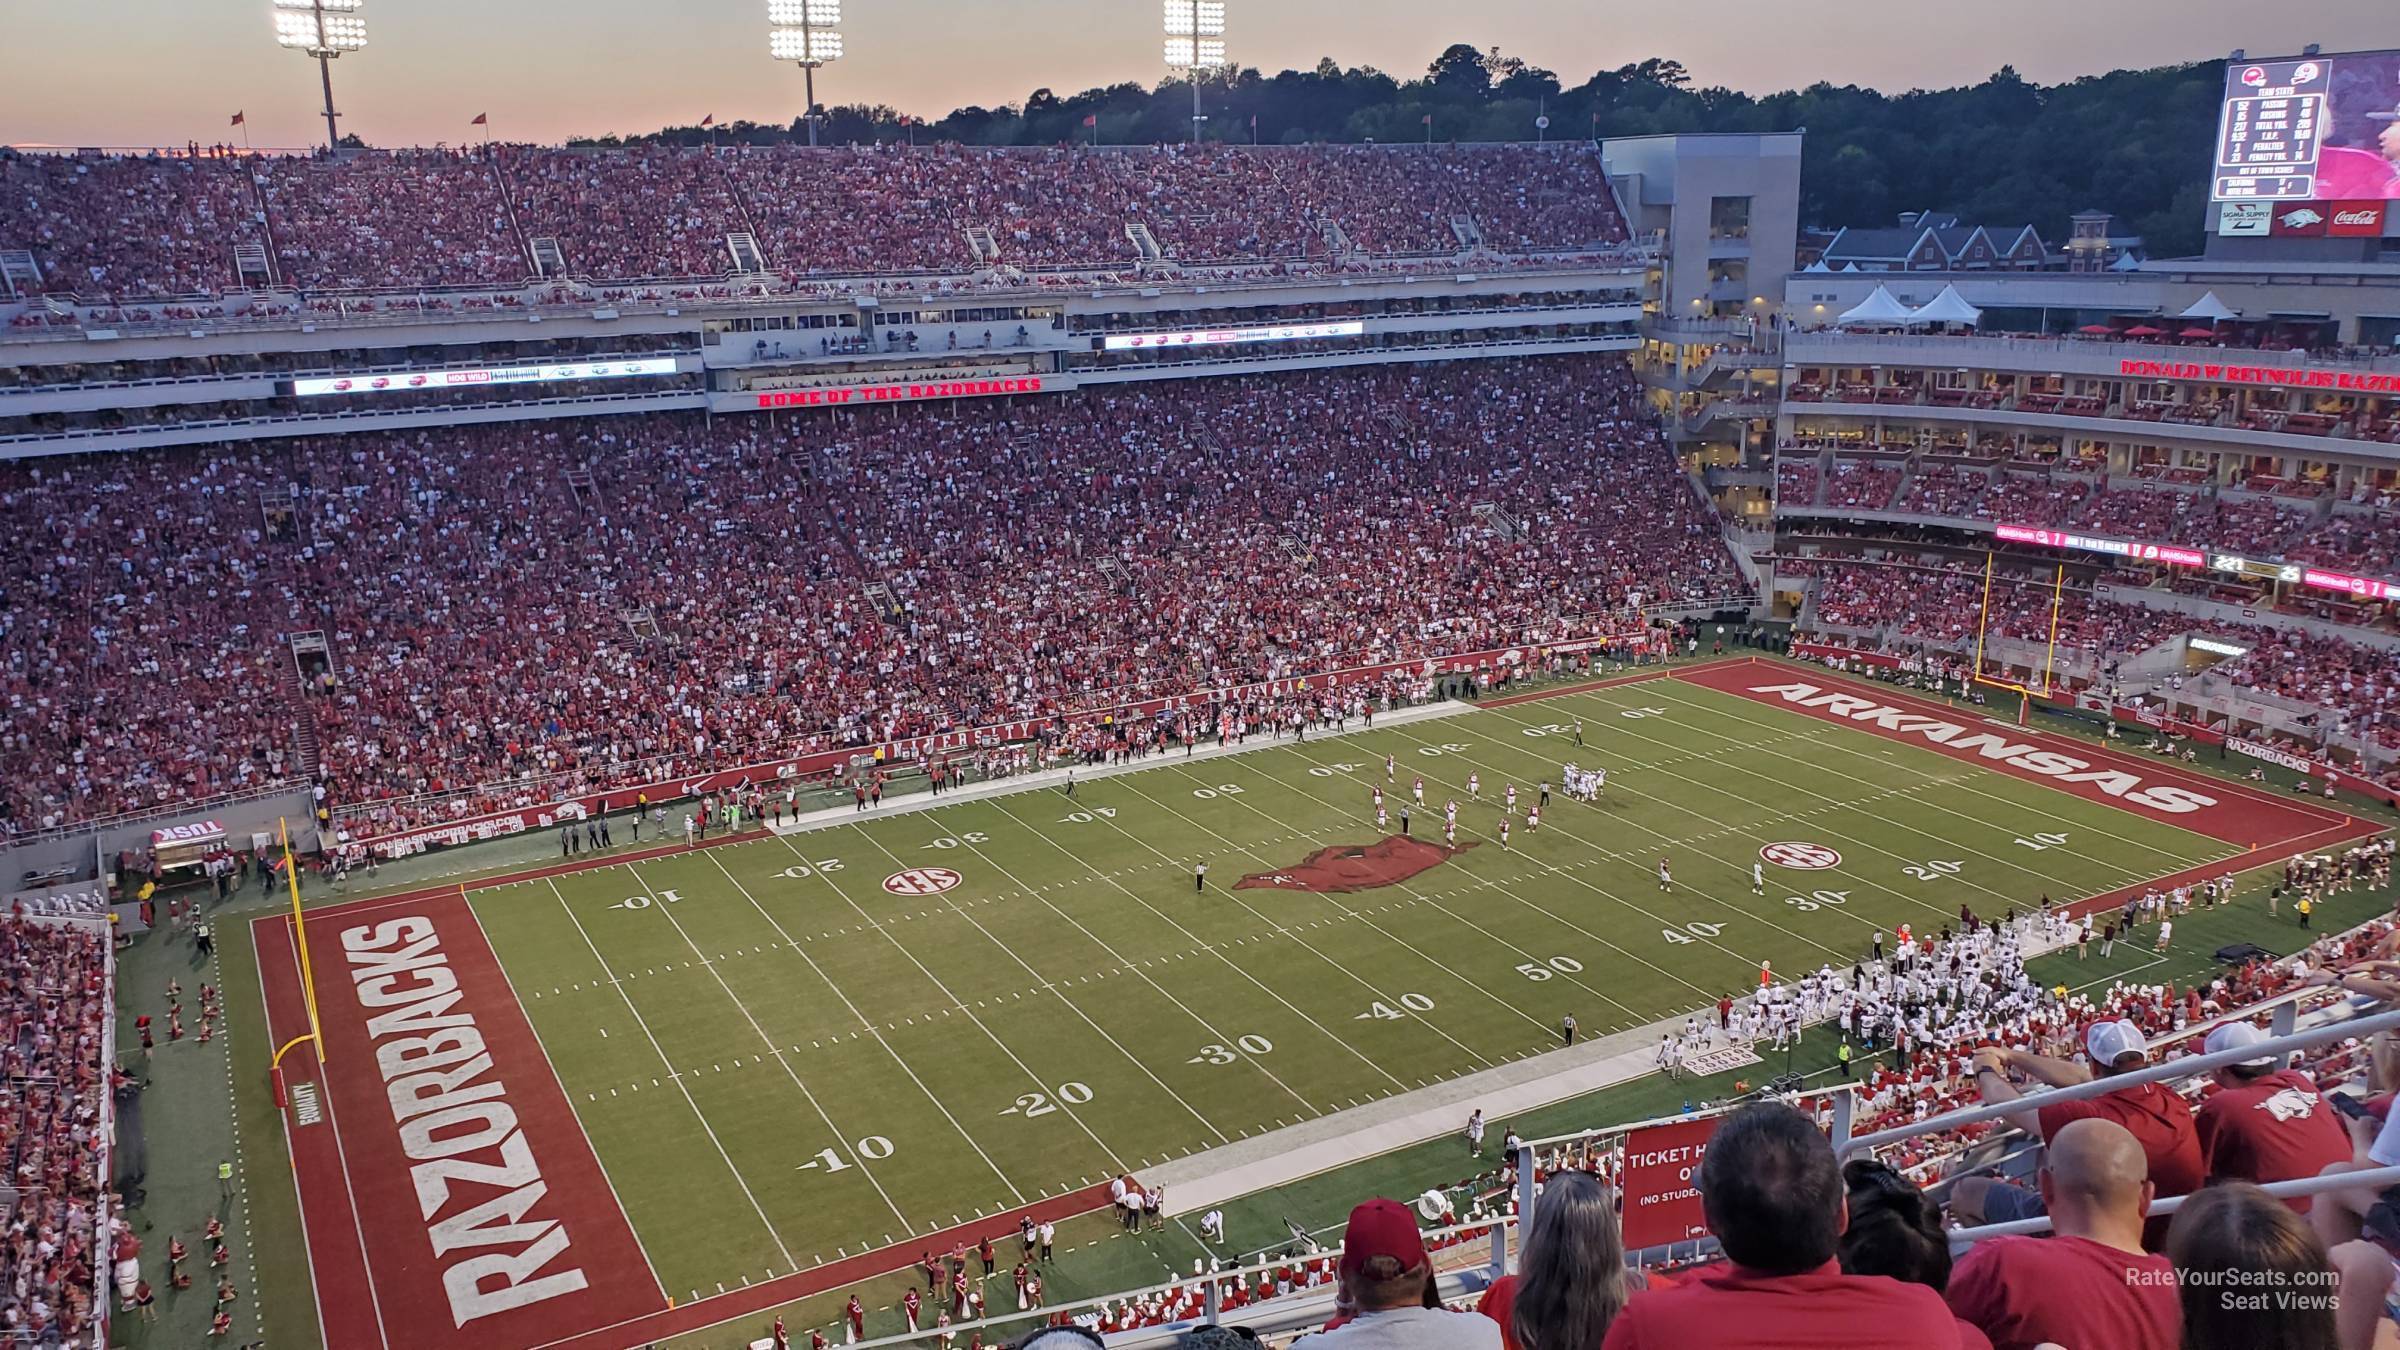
1880, 307
1948, 307
2208, 309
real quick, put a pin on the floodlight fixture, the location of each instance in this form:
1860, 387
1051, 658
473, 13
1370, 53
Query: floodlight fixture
808, 13
1195, 42
805, 46
806, 33
323, 29
1203, 18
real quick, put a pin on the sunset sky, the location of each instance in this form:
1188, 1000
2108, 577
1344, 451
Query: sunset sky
151, 72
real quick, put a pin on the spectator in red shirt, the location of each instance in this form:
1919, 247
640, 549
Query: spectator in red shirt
2154, 1114
2266, 1124
1773, 1197
1571, 1279
2090, 1285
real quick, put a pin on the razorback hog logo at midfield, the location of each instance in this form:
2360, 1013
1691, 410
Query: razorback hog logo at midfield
1993, 745
1356, 867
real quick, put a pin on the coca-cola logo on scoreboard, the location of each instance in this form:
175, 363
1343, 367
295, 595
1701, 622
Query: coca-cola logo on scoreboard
2356, 220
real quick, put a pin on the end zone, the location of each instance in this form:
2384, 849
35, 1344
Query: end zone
446, 1187
2217, 808
370, 1212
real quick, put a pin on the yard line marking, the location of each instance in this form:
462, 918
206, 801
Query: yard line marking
1481, 987
710, 1130
1568, 831
1834, 804
1269, 990
1067, 1003
1500, 885
667, 911
1836, 743
547, 1062
1966, 783
946, 992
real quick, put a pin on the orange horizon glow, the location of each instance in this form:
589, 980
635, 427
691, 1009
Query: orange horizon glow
145, 73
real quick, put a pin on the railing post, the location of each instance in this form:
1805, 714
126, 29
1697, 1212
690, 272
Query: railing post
1843, 1104
2284, 1021
1499, 1266
1209, 1302
1525, 1184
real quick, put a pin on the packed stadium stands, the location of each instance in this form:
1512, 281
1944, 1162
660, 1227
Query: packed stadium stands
1951, 1022
477, 603
55, 1009
152, 228
513, 612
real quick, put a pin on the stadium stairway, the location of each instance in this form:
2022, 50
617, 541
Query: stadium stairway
536, 263
306, 755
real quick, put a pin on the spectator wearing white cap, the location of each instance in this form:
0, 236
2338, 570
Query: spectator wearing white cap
2153, 1113
2263, 1122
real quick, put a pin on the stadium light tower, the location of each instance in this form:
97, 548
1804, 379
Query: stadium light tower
1196, 42
807, 34
324, 29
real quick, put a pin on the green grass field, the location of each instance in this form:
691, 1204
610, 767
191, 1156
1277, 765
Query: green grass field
780, 1062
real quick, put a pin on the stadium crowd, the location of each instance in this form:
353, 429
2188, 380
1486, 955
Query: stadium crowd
2133, 507
56, 1232
2354, 685
730, 591
1819, 1256
156, 227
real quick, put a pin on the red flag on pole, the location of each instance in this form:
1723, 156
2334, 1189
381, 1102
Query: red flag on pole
1091, 119
709, 121
1427, 119
237, 120
481, 119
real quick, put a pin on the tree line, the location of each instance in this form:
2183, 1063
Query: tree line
2005, 151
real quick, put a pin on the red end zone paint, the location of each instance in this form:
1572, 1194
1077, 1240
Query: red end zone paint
2150, 788
352, 1222
449, 1193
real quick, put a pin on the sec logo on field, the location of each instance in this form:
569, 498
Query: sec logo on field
922, 881
1801, 857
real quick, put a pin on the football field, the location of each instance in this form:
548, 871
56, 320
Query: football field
733, 1075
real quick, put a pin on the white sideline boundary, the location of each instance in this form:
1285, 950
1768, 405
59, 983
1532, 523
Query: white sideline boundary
1263, 1162
828, 817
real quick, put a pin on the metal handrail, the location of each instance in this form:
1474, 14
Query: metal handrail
1313, 1300
122, 819
2372, 1178
2101, 1087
